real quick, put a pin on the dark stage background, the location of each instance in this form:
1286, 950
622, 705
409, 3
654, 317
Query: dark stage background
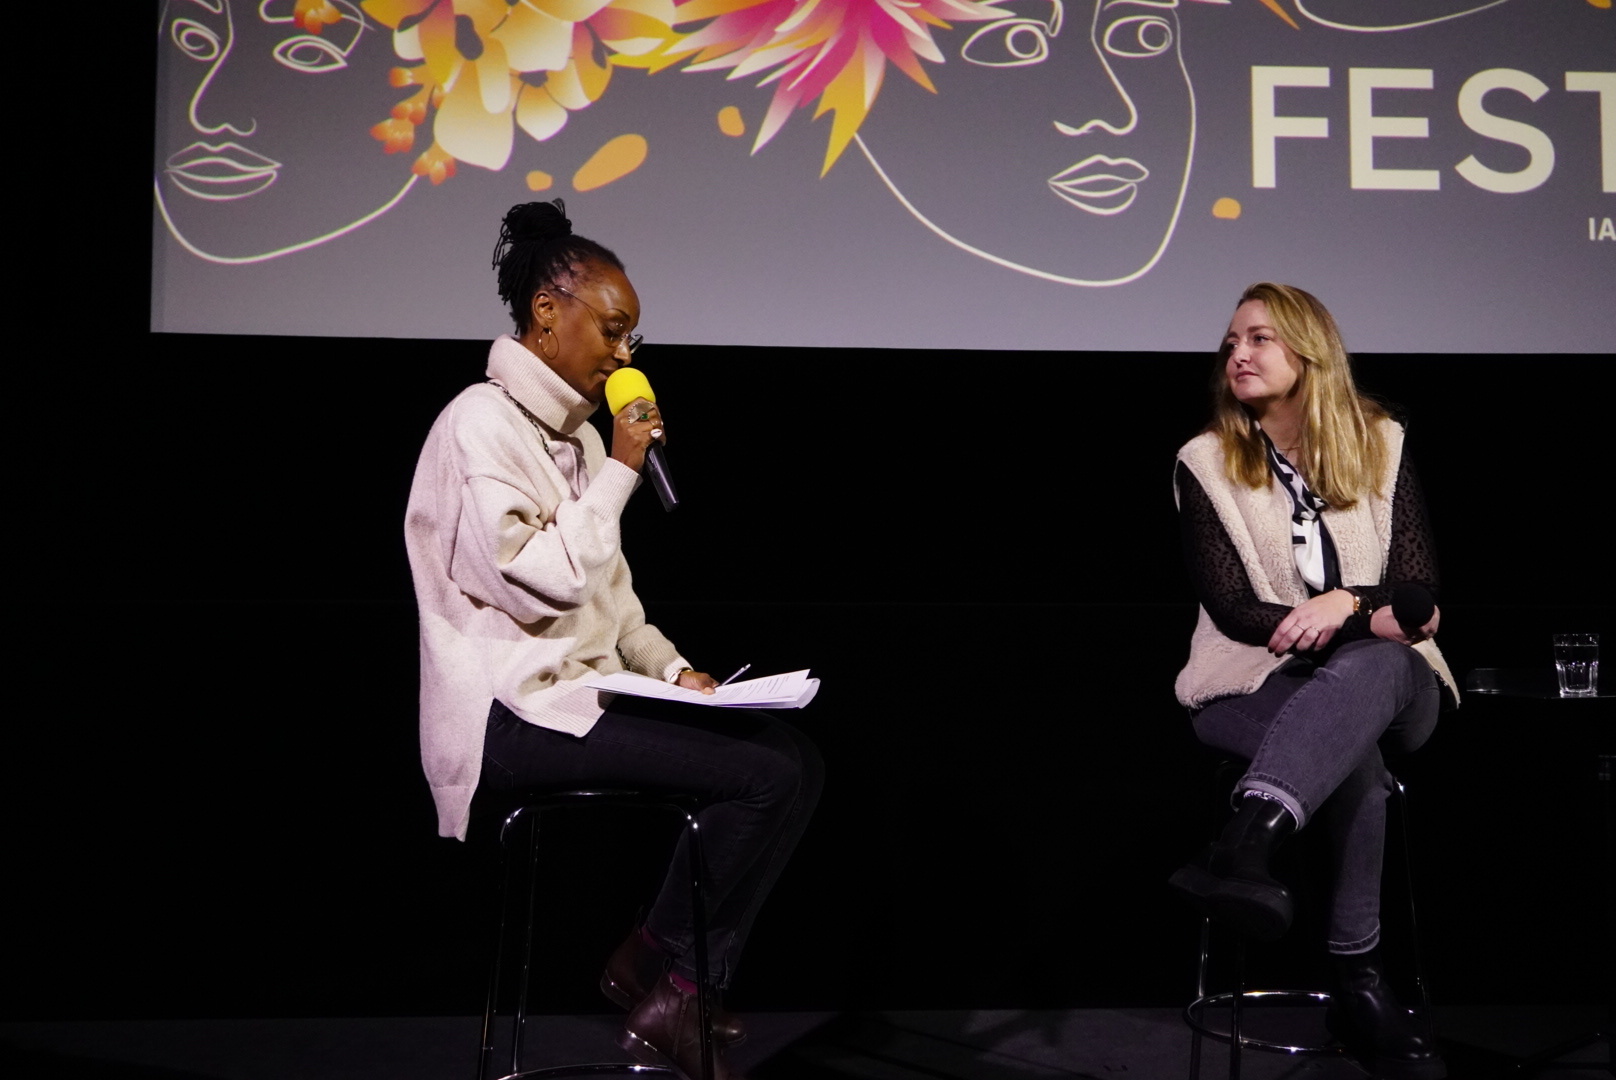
216, 801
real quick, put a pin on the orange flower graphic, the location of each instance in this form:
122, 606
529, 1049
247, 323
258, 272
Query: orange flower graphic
483, 68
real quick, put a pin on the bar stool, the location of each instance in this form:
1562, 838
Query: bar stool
1236, 1000
529, 814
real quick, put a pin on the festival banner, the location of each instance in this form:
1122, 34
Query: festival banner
1013, 174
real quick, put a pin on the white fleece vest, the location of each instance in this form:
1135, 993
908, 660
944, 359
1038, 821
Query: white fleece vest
1258, 522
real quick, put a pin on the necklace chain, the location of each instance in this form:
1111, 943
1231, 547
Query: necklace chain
544, 439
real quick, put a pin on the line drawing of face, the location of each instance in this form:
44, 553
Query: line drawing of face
1437, 11
1069, 152
253, 81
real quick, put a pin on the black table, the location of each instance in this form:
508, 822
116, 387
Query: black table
1543, 684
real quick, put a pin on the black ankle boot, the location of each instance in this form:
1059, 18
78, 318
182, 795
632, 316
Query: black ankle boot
1369, 1020
1231, 882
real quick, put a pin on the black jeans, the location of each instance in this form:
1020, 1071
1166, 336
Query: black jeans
759, 777
1314, 737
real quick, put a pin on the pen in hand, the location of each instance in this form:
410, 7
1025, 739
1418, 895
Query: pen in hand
738, 673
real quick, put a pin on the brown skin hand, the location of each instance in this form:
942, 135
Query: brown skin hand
698, 680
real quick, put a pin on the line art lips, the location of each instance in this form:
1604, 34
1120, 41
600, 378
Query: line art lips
1099, 184
218, 173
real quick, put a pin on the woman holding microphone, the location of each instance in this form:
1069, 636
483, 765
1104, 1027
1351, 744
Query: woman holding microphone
1301, 517
525, 599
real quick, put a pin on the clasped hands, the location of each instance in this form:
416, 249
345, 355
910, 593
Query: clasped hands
1310, 625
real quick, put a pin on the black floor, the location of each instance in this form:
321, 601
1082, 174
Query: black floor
1101, 1044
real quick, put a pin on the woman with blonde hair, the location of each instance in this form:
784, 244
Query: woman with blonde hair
1302, 519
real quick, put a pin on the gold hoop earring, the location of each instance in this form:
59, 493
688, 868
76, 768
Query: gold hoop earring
549, 336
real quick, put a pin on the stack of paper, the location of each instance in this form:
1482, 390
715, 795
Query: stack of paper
792, 690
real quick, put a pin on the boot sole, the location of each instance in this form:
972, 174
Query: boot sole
1393, 1069
646, 1054
1389, 1068
1251, 909
623, 1000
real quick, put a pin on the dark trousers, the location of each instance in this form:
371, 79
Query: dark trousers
1314, 736
759, 777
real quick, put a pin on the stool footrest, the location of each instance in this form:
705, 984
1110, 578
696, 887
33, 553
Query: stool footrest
1195, 1017
599, 1068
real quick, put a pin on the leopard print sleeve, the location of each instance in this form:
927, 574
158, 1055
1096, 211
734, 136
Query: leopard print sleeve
1215, 569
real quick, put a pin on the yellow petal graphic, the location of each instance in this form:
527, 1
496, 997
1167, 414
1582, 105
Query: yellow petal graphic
467, 131
393, 12
538, 180
730, 122
611, 162
632, 46
407, 44
568, 10
592, 77
443, 59
484, 14
538, 113
565, 88
1226, 208
494, 77
535, 40
660, 10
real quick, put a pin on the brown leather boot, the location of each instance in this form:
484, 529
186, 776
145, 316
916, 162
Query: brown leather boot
664, 1029
634, 968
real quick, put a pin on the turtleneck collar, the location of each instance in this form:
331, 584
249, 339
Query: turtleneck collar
540, 390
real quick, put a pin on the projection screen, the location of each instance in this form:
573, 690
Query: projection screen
1023, 174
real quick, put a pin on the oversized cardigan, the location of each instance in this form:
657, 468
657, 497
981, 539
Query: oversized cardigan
1257, 521
523, 591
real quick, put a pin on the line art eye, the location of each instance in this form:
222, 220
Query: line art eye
1139, 36
1008, 43
310, 54
195, 40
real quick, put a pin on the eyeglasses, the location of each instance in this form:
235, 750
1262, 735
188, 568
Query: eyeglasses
611, 337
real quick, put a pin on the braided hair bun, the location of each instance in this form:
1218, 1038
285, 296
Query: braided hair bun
537, 247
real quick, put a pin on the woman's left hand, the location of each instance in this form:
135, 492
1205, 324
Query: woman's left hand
697, 680
1384, 624
1312, 624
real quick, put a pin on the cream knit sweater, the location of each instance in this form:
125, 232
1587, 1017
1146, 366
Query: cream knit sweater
1258, 524
523, 591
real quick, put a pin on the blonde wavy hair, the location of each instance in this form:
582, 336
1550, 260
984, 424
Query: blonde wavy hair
1343, 451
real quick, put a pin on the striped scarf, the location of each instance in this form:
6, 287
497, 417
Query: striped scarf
1314, 550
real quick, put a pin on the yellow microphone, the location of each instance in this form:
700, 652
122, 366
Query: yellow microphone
624, 385
627, 384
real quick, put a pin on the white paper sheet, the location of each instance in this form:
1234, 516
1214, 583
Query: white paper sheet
789, 690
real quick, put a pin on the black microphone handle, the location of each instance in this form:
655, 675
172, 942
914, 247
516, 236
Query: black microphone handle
1412, 606
656, 470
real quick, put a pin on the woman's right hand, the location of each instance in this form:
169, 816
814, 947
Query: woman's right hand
1383, 622
1312, 624
632, 436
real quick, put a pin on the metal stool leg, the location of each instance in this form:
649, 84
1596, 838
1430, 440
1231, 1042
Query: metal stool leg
526, 978
1200, 992
1234, 1007
485, 1053
698, 925
1424, 987
531, 815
